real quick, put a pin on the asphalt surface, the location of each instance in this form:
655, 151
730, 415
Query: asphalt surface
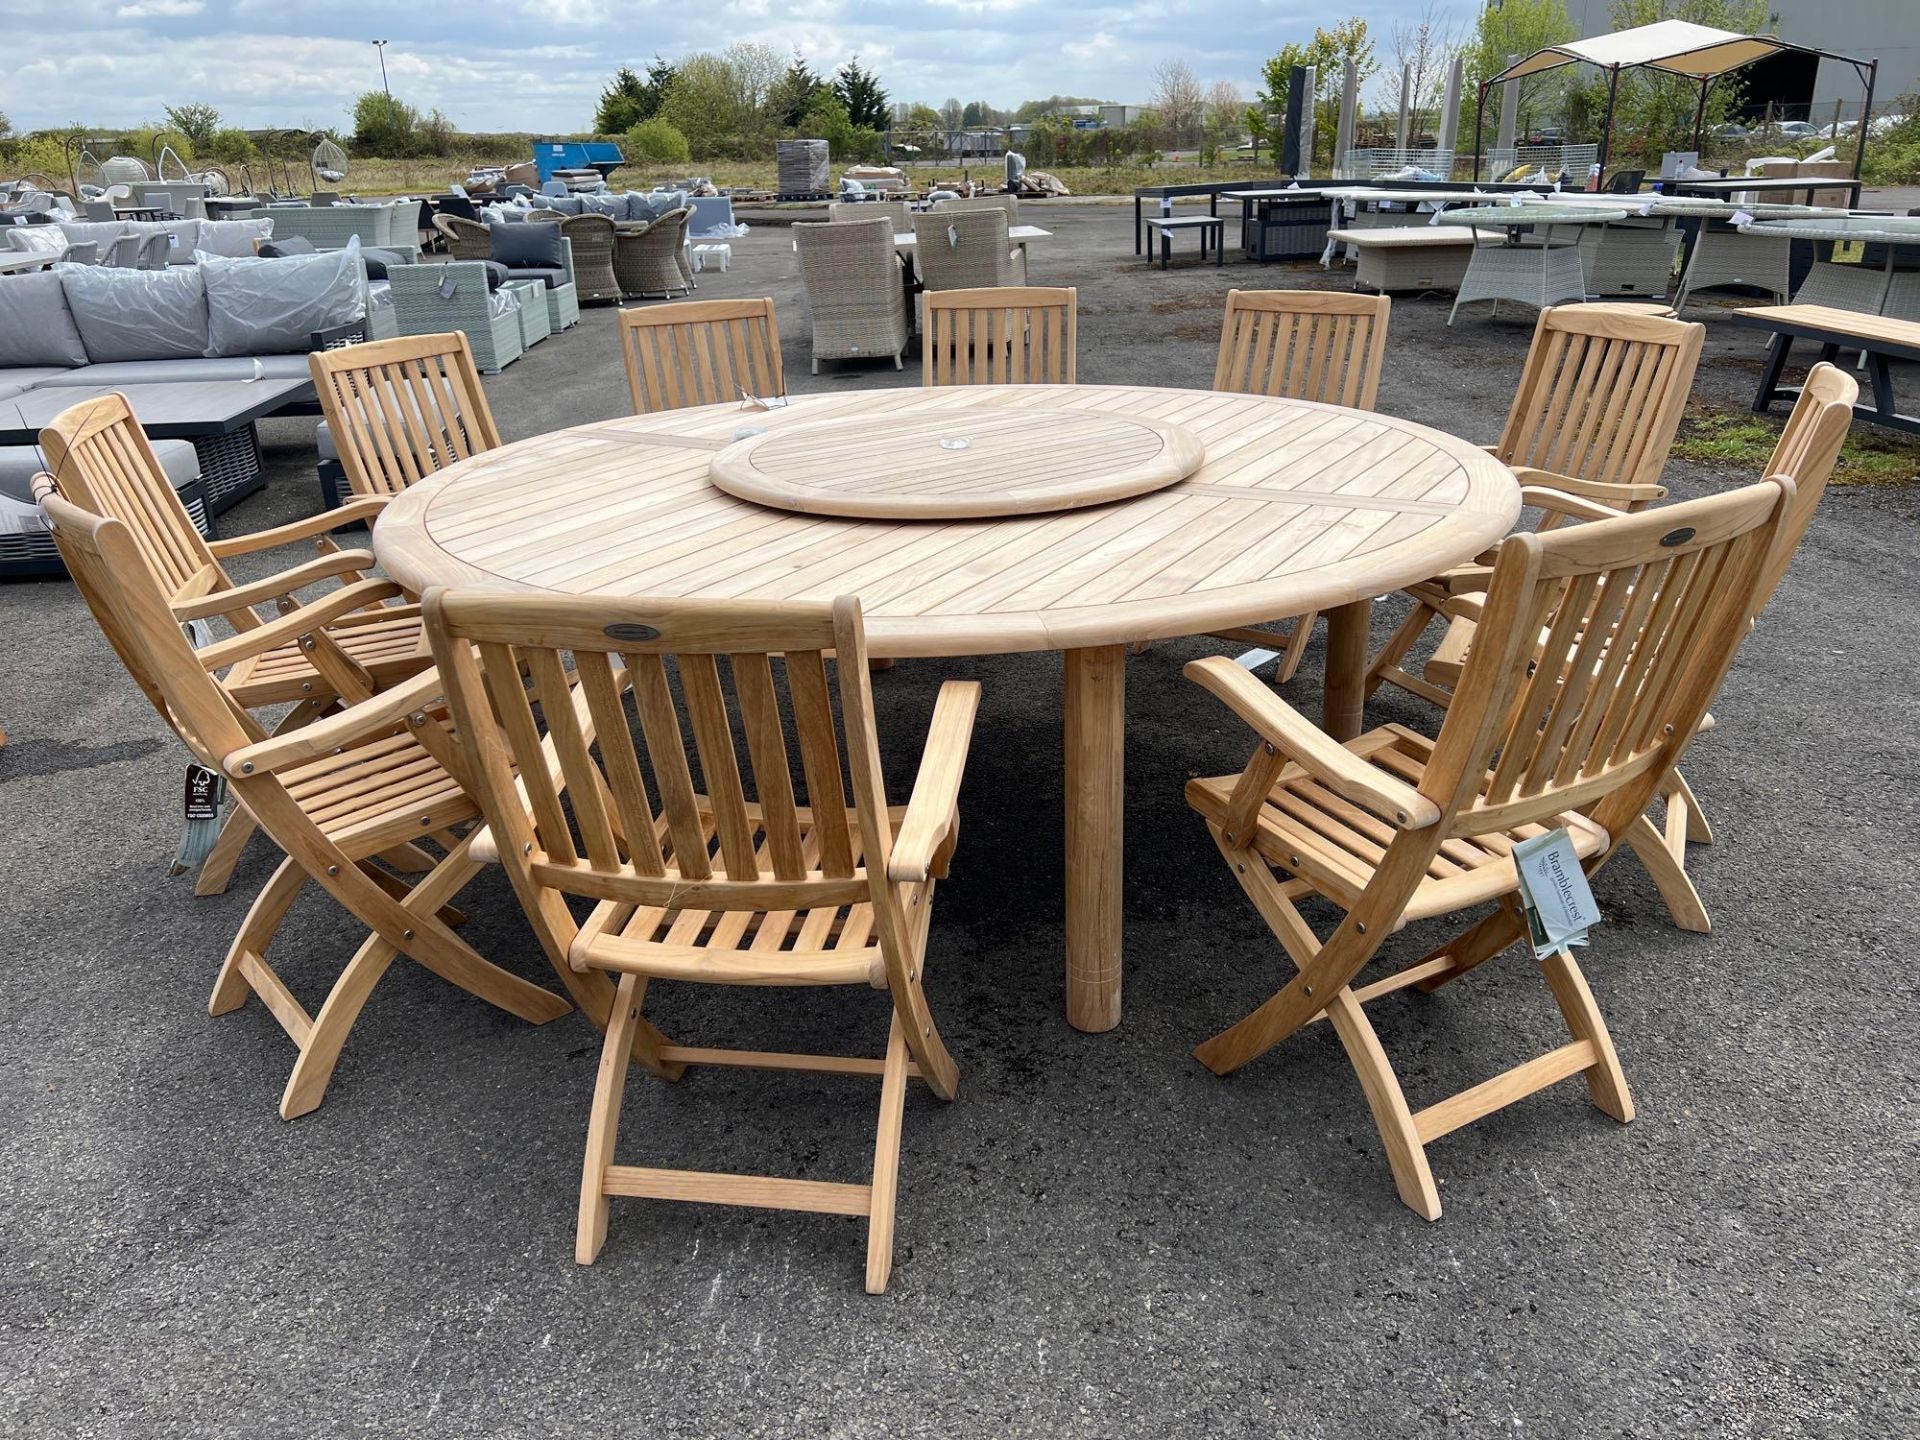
1098, 1238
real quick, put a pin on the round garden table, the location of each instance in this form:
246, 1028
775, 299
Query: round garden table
1296, 507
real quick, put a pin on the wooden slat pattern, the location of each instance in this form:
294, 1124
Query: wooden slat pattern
401, 410
1298, 506
701, 352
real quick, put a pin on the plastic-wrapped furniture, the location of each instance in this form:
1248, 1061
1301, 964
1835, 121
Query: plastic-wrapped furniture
26, 549
713, 216
853, 277
647, 262
592, 237
420, 309
967, 250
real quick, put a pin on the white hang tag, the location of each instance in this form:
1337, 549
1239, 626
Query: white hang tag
1739, 218
1166, 204
953, 238
449, 287
759, 402
1559, 903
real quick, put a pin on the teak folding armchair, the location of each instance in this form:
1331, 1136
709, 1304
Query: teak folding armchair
1642, 616
399, 410
333, 795
313, 655
737, 886
1304, 345
1599, 402
701, 352
1002, 335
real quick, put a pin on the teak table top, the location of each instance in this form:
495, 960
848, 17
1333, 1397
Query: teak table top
1297, 507
934, 460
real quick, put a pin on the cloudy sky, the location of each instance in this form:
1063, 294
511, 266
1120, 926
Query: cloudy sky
539, 64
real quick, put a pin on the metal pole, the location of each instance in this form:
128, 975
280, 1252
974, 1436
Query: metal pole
1406, 102
1700, 115
1606, 126
380, 48
1866, 118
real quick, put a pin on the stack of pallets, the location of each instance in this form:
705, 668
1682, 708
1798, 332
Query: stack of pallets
804, 169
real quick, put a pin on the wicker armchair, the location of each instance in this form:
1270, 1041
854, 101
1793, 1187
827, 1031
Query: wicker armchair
543, 217
1008, 203
465, 239
647, 261
682, 250
898, 211
594, 256
978, 256
853, 278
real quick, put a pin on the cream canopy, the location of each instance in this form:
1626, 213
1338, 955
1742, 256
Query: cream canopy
1675, 47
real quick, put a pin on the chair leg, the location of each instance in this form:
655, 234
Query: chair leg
1666, 864
216, 871
270, 906
1386, 665
603, 1120
1296, 646
1606, 1081
1680, 797
320, 1051
1406, 1156
886, 1160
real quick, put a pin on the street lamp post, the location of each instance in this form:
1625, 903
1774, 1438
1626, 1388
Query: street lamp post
380, 48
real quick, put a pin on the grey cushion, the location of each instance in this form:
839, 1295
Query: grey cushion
565, 204
138, 314
36, 326
20, 463
272, 307
552, 275
520, 246
144, 372
291, 245
20, 379
377, 260
323, 442
497, 274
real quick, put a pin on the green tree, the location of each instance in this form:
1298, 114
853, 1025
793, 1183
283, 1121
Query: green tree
196, 122
231, 147
859, 91
384, 126
6, 125
974, 116
793, 93
623, 104
1518, 27
1327, 52
659, 141
702, 103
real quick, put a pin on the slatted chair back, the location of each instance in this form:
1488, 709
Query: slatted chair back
1601, 396
1807, 451
1001, 335
701, 352
1304, 345
639, 831
399, 410
100, 459
113, 568
1597, 654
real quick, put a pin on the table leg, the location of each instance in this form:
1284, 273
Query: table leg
1096, 728
1882, 381
1348, 629
1136, 224
1770, 376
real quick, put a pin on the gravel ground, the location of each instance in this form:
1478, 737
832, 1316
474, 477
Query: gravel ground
1099, 1238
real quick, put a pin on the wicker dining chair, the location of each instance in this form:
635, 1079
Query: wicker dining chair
595, 256
1008, 204
899, 212
1002, 335
1321, 345
1642, 615
334, 796
769, 878
400, 410
701, 352
341, 646
967, 250
646, 260
855, 291
465, 239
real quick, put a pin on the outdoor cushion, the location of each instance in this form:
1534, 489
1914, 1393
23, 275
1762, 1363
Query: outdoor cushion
145, 372
232, 237
36, 327
565, 204
523, 246
138, 314
662, 201
37, 239
20, 379
497, 274
20, 463
291, 245
553, 276
377, 260
272, 307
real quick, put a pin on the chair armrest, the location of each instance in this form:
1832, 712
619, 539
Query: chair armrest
1311, 748
361, 507
323, 736
284, 629
1559, 502
933, 808
242, 597
1618, 496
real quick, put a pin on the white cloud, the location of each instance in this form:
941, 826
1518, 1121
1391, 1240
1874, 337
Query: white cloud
160, 9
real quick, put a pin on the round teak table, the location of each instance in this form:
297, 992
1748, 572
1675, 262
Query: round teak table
1296, 507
